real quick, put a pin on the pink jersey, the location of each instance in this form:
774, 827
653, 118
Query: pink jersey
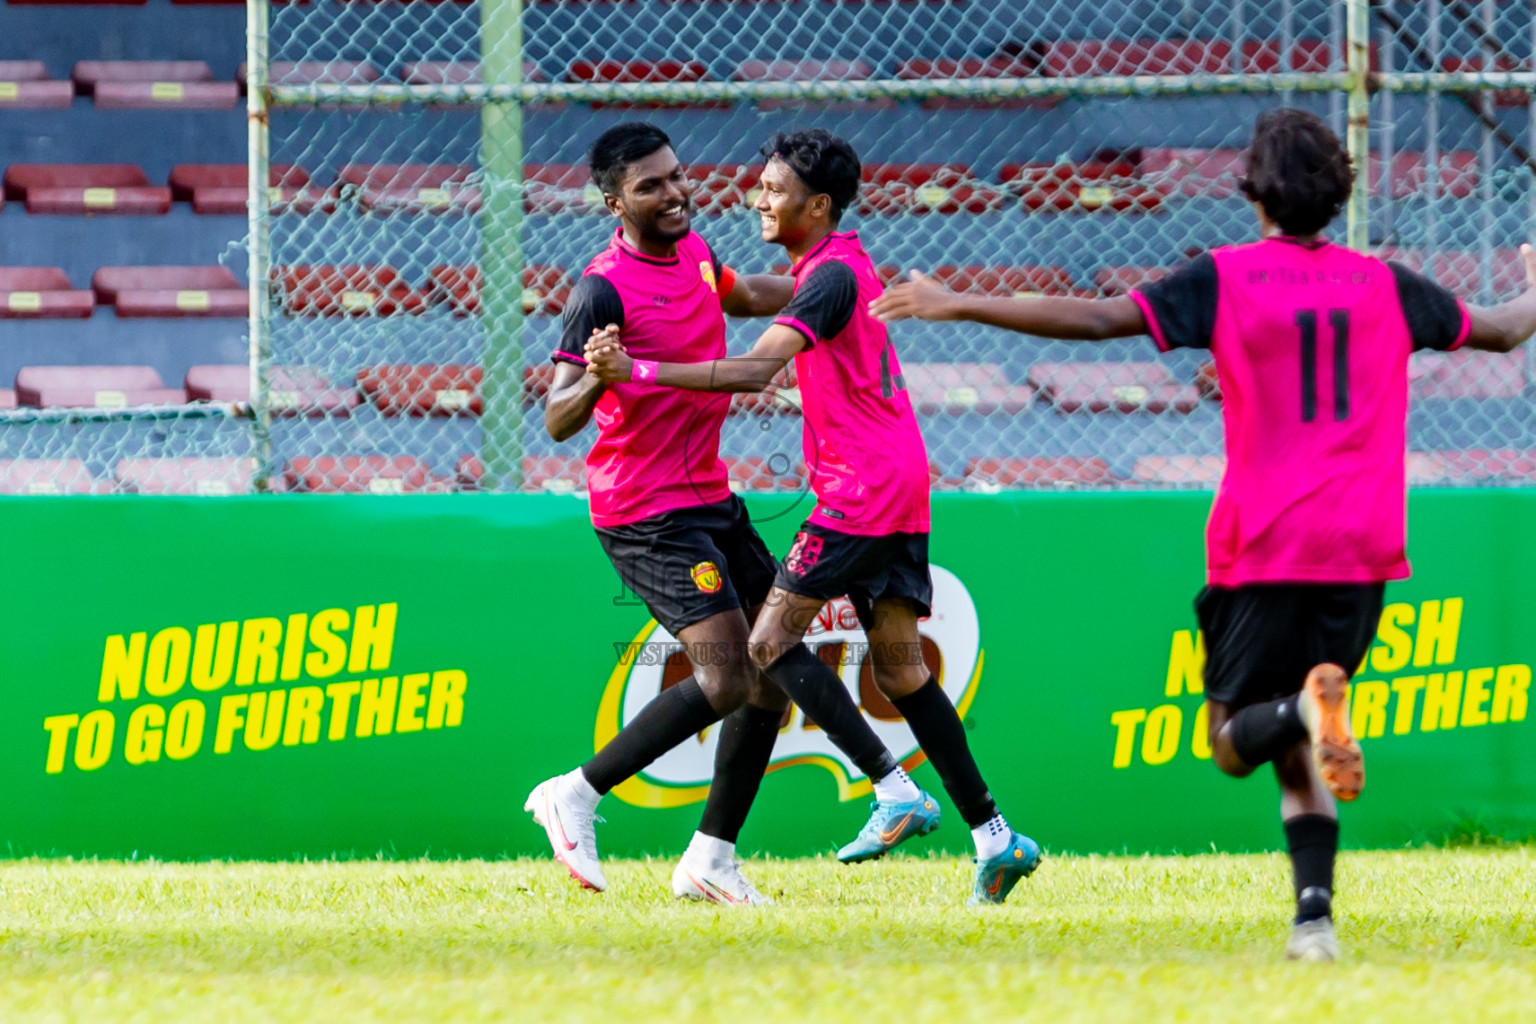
1311, 343
657, 449
868, 466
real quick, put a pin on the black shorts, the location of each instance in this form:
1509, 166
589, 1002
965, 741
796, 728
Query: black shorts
1262, 639
825, 563
691, 563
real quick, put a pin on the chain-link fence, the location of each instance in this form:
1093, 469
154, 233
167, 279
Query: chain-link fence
427, 212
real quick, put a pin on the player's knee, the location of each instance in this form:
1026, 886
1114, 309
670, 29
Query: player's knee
763, 693
900, 680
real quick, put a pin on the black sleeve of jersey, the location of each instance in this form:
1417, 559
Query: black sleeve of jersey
1184, 304
594, 303
1433, 314
714, 261
824, 302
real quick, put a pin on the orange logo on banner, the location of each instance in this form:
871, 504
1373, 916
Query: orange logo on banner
706, 577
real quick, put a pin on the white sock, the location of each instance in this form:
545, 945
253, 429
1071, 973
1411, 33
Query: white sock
991, 837
711, 850
897, 787
574, 787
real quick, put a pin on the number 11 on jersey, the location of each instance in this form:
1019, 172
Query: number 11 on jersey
1338, 319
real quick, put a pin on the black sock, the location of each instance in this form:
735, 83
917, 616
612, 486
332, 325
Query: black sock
941, 734
825, 701
1262, 732
746, 745
1313, 839
677, 713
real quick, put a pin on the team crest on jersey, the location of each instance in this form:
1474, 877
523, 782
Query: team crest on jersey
706, 577
707, 272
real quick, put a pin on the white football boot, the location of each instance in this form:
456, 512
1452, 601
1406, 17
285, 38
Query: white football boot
568, 825
722, 882
1313, 940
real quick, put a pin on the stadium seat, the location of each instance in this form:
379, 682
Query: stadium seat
1112, 281
938, 480
720, 187
554, 474
1208, 383
317, 72
100, 387
1501, 62
925, 188
537, 378
560, 188
1193, 173
833, 70
457, 72
1076, 58
1001, 66
1112, 387
781, 399
85, 189
220, 189
32, 292
171, 291
1466, 374
347, 289
546, 289
956, 388
207, 477
291, 390
637, 71
1008, 282
1175, 470
154, 84
760, 474
1039, 471
1472, 466
1458, 175
1098, 184
410, 188
25, 84
361, 474
1264, 56
49, 476
423, 389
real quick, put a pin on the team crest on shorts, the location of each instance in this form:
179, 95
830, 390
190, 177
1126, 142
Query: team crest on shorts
706, 577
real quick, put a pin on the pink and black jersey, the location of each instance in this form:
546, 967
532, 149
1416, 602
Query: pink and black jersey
1311, 343
868, 466
657, 449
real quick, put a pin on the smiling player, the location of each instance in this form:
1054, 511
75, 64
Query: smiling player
1311, 341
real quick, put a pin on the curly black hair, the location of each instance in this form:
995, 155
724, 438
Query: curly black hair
827, 164
1298, 170
620, 146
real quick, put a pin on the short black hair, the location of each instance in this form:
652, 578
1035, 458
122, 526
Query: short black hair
826, 163
620, 146
1298, 170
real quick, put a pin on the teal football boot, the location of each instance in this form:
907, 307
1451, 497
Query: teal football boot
996, 876
889, 825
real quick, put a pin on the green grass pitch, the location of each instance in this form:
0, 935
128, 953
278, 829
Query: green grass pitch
1429, 935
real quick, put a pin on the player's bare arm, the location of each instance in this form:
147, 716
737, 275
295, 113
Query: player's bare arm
751, 372
1504, 327
572, 396
923, 298
758, 295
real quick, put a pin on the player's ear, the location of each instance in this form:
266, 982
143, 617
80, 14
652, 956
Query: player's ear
821, 206
614, 203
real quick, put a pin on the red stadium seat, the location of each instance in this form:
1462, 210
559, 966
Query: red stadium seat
171, 291
457, 72
317, 72
361, 474
1040, 471
1501, 62
546, 289
1410, 174
1077, 58
1007, 282
1191, 470
1092, 185
637, 71
410, 188
208, 477
1112, 281
1193, 173
1263, 56
765, 474
957, 388
101, 387
220, 189
561, 188
42, 292
938, 480
1472, 466
85, 189
1208, 383
1113, 387
537, 379
184, 84
48, 476
1002, 66
291, 390
833, 70
554, 474
1467, 374
25, 84
720, 187
348, 289
925, 188
423, 389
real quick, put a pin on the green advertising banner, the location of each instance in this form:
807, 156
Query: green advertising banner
278, 677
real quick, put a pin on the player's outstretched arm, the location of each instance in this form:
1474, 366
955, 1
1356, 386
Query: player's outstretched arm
758, 295
607, 360
1048, 317
1503, 327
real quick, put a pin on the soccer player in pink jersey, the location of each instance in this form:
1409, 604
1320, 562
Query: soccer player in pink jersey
1311, 342
663, 510
868, 534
